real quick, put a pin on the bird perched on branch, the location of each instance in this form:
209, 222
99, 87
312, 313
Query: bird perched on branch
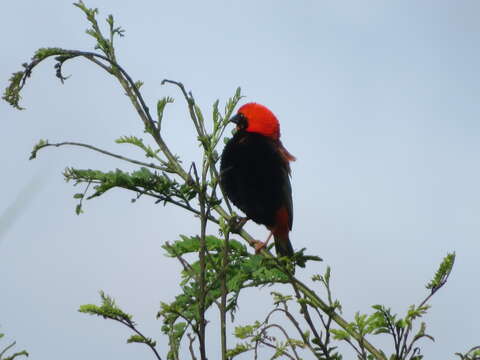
255, 174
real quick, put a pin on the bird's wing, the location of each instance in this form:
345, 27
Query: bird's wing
287, 193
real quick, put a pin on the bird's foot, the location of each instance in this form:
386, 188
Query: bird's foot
236, 223
259, 246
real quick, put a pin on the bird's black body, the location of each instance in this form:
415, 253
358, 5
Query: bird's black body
255, 177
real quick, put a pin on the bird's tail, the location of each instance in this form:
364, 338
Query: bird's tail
283, 246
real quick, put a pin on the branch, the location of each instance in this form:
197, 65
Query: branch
191, 339
71, 143
147, 342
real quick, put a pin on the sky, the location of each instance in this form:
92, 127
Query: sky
377, 100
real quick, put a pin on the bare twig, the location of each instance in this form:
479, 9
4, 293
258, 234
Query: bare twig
105, 152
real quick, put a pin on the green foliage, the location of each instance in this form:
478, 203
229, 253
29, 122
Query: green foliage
141, 340
243, 270
240, 348
43, 53
220, 121
133, 140
442, 273
41, 144
108, 310
161, 108
269, 334
142, 181
104, 44
400, 329
12, 92
175, 335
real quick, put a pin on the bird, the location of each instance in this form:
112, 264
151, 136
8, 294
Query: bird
255, 174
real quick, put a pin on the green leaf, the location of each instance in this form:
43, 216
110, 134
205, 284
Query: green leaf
442, 273
43, 53
243, 332
133, 140
279, 298
12, 92
108, 309
161, 107
239, 349
339, 334
41, 144
141, 340
198, 113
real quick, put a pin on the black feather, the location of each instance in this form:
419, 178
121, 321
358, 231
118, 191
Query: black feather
256, 178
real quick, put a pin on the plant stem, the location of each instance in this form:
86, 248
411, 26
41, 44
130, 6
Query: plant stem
223, 304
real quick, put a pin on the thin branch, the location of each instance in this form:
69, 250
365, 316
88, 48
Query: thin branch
304, 307
132, 327
354, 347
295, 323
71, 143
223, 301
190, 103
132, 91
8, 347
435, 289
191, 339
157, 355
286, 337
201, 254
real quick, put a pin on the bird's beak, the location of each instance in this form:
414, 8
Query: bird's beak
235, 119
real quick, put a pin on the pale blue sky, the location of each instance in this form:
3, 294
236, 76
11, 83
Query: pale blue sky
378, 100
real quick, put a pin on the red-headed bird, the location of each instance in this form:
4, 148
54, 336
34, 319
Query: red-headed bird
255, 173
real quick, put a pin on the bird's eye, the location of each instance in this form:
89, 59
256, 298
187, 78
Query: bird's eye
242, 121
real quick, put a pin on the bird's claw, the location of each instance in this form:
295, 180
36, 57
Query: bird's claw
259, 246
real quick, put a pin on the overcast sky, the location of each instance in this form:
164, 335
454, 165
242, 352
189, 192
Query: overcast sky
378, 100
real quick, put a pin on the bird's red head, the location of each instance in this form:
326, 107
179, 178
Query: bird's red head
256, 118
